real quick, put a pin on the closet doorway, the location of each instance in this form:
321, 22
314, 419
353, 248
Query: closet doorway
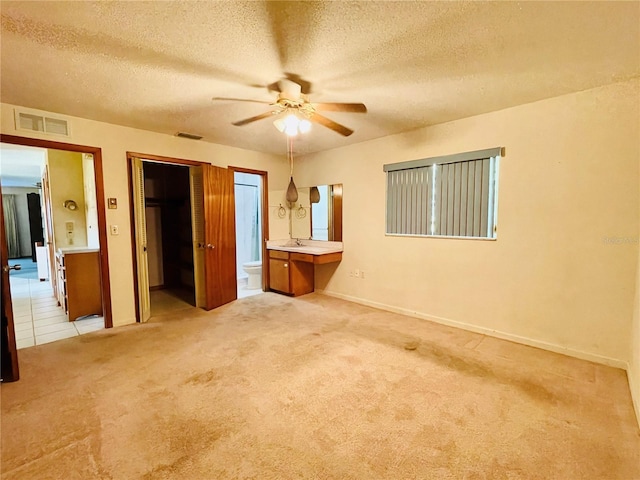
183, 234
170, 256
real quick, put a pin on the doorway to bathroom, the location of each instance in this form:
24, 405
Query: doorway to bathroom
251, 230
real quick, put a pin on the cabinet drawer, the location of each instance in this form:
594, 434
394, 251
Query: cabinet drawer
301, 257
279, 254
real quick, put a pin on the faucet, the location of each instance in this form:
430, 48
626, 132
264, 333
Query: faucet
298, 242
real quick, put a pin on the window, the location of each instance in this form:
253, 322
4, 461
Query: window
451, 196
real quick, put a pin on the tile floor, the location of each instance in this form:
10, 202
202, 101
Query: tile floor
37, 317
243, 292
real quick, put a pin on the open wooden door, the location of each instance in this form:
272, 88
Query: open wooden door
219, 236
196, 179
140, 222
9, 360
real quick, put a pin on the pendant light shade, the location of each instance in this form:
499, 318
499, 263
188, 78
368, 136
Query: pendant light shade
314, 195
292, 192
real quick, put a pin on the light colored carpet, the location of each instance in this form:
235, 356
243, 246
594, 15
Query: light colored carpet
271, 387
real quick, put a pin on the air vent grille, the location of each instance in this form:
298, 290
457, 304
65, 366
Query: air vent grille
40, 123
189, 135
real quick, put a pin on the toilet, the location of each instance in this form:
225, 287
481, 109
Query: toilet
254, 270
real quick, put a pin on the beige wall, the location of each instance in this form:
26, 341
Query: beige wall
569, 180
115, 141
634, 364
66, 182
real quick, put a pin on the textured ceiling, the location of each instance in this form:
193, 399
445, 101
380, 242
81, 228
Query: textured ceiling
157, 65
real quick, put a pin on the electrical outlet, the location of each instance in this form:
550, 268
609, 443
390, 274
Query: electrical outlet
351, 273
361, 273
114, 230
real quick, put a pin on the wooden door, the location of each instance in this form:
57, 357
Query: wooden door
140, 226
9, 359
219, 237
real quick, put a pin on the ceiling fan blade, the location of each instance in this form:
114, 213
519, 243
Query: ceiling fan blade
326, 122
229, 99
253, 119
341, 107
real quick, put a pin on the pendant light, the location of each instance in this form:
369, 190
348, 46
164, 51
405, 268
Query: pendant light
314, 195
292, 191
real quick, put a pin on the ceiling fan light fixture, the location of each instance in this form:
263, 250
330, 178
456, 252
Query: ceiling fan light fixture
304, 126
292, 125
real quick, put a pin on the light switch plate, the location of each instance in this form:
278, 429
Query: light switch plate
112, 203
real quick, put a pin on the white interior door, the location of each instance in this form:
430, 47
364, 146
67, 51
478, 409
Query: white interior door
144, 300
197, 224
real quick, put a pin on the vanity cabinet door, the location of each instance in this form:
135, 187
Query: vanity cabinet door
279, 275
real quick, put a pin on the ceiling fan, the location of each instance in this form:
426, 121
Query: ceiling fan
295, 111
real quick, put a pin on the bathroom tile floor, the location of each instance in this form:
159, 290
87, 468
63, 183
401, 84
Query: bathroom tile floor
37, 317
244, 292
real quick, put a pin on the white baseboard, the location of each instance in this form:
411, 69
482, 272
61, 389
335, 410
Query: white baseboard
592, 357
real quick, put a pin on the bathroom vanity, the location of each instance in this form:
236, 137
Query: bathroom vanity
292, 267
78, 281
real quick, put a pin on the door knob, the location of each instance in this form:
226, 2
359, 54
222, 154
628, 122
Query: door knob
211, 246
6, 268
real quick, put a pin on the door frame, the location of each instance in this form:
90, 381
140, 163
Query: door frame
101, 204
265, 219
134, 254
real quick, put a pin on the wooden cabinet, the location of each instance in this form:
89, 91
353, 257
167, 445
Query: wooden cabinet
290, 273
78, 286
279, 271
293, 273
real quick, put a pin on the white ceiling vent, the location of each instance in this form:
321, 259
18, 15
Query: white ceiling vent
36, 122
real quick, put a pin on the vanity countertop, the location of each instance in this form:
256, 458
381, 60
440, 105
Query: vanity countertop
311, 247
77, 250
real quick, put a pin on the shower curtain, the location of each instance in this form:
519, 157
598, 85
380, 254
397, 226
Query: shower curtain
255, 228
11, 225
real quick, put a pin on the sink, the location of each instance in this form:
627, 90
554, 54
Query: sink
312, 250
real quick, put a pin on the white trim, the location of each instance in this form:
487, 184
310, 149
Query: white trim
592, 357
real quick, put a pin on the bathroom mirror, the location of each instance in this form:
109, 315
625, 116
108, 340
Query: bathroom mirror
318, 213
326, 212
